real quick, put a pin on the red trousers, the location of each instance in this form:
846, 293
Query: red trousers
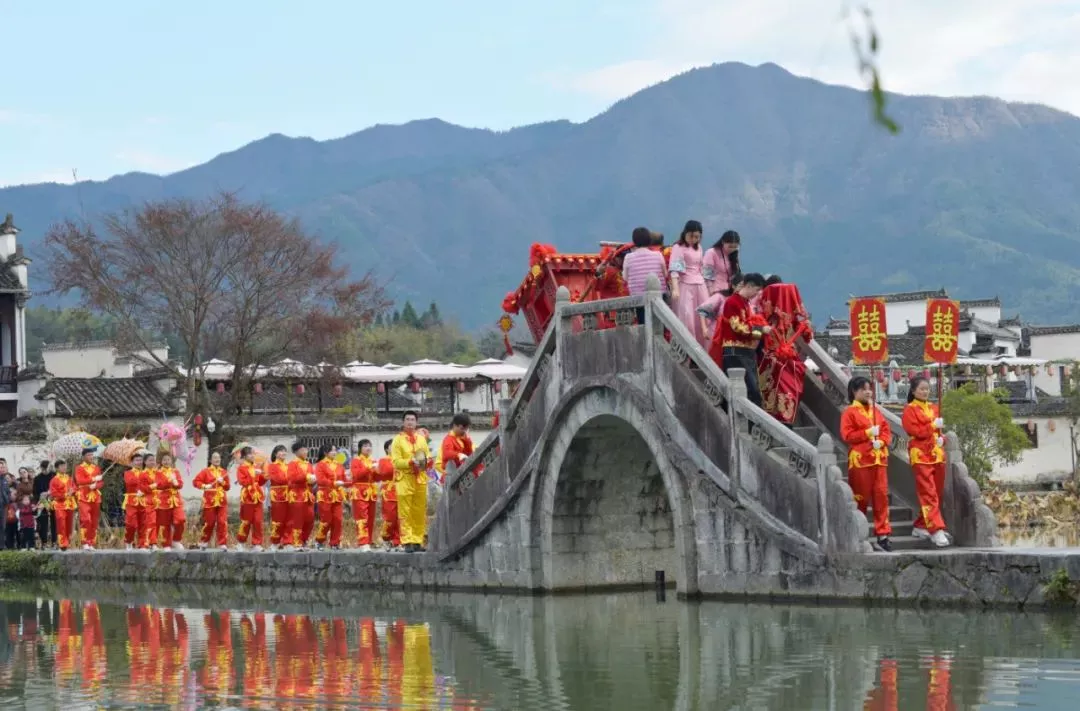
89, 514
871, 488
930, 486
170, 526
391, 525
364, 514
64, 520
251, 521
279, 522
139, 523
215, 517
331, 515
301, 521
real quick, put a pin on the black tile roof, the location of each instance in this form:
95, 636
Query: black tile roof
1045, 407
356, 397
106, 397
973, 303
1052, 330
905, 296
904, 349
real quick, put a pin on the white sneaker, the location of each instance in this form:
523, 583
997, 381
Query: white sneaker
202, 546
178, 546
128, 546
365, 549
920, 533
238, 547
257, 548
940, 540
86, 546
289, 549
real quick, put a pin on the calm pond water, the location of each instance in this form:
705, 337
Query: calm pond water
98, 646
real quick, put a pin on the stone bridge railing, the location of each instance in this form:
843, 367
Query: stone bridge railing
968, 518
766, 469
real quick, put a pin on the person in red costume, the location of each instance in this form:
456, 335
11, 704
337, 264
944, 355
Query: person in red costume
456, 447
252, 482
301, 497
866, 432
170, 506
62, 496
780, 367
138, 504
330, 496
926, 453
365, 493
738, 331
213, 481
88, 483
278, 473
391, 524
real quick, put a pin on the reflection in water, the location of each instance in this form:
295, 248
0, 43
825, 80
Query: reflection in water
1041, 537
474, 652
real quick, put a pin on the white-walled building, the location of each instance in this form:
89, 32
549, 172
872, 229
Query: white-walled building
1058, 344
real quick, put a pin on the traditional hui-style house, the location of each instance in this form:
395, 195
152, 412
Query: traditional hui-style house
14, 293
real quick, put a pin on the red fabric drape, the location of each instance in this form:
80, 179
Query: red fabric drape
780, 368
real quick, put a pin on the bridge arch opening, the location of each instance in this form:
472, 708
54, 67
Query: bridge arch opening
612, 522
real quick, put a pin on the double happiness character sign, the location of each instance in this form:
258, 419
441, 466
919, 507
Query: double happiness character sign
869, 337
942, 331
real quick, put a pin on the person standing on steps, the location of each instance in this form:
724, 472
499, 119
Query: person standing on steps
738, 333
410, 454
688, 290
720, 265
88, 480
926, 453
866, 432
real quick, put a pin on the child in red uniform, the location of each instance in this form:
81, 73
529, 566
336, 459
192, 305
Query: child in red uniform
456, 447
88, 483
365, 493
62, 496
330, 496
214, 483
277, 471
170, 506
865, 431
301, 497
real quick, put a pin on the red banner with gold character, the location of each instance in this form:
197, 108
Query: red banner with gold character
869, 337
942, 331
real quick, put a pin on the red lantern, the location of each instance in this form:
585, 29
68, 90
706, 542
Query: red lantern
220, 388
300, 389
879, 375
337, 389
381, 388
258, 388
911, 374
415, 386
461, 386
198, 420
897, 376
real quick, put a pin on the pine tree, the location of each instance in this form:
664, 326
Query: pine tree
396, 318
379, 321
409, 317
433, 317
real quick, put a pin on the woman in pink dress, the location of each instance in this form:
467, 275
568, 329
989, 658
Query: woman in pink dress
688, 290
721, 263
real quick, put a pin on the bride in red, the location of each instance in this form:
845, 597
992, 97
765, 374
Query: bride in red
780, 367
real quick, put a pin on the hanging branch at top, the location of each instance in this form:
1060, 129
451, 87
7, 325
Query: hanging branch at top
864, 40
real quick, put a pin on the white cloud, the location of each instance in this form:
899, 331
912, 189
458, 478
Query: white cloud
1016, 50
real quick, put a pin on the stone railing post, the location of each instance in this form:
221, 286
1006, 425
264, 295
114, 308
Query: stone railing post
562, 299
824, 457
442, 511
736, 390
652, 298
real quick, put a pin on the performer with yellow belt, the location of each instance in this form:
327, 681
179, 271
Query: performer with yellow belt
214, 482
410, 454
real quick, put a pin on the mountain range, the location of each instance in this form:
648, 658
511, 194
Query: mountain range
974, 194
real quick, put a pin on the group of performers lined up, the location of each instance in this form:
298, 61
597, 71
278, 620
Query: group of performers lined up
300, 492
752, 322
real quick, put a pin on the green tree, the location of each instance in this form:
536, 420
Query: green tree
409, 317
396, 318
984, 425
379, 320
431, 317
490, 344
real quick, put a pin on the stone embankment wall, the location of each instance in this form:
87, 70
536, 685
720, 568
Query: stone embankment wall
964, 578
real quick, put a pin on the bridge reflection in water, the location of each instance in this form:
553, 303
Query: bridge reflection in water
619, 651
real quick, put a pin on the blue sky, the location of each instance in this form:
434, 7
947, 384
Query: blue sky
111, 86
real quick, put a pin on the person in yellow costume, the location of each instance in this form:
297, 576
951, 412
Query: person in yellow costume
410, 455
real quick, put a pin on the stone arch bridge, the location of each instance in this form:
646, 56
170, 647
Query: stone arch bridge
615, 466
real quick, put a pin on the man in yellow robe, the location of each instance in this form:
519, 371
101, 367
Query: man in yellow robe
410, 454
